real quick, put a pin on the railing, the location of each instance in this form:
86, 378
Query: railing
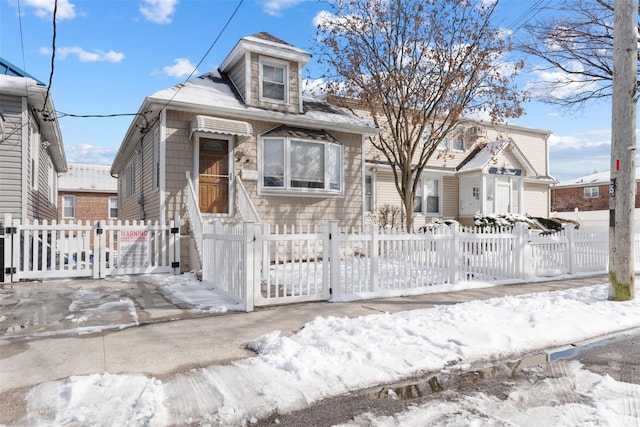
245, 206
195, 222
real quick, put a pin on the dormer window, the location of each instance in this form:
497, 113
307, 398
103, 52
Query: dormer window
273, 80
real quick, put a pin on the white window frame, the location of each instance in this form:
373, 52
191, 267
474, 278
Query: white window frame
113, 204
285, 76
591, 192
156, 159
422, 194
371, 206
35, 154
287, 181
51, 182
130, 179
66, 205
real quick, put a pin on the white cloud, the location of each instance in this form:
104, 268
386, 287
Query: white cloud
44, 8
275, 7
182, 67
557, 84
85, 56
580, 141
158, 11
87, 153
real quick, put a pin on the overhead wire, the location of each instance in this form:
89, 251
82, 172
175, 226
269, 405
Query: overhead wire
60, 114
47, 114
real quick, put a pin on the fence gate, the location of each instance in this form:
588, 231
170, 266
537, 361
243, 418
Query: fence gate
43, 250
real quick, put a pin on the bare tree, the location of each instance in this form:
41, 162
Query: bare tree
575, 40
417, 67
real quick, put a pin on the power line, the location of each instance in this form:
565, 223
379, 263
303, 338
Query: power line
46, 114
60, 114
215, 41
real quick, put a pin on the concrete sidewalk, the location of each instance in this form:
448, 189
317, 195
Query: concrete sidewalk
171, 346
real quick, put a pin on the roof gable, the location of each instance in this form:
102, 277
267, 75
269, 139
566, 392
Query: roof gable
480, 159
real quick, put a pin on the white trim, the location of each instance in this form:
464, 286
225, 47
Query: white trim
275, 63
109, 207
69, 197
230, 168
247, 77
298, 191
25, 159
163, 166
431, 177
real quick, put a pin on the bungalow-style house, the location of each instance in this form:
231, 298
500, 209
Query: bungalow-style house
31, 149
87, 192
479, 169
250, 144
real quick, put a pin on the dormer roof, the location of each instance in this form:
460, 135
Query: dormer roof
264, 44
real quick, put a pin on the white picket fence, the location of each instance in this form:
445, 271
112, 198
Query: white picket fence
262, 265
46, 250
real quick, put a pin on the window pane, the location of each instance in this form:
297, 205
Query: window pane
307, 164
68, 207
273, 85
433, 196
273, 74
273, 162
273, 91
335, 167
113, 207
417, 206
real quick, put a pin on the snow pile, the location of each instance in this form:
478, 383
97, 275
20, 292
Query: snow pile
331, 356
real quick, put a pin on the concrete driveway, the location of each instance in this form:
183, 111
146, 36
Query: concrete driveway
64, 307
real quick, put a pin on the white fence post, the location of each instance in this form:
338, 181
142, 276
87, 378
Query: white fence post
570, 232
373, 256
519, 246
454, 254
334, 259
249, 265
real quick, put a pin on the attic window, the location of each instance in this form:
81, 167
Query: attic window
273, 81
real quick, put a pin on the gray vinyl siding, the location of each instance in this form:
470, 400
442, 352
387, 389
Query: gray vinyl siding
11, 152
237, 75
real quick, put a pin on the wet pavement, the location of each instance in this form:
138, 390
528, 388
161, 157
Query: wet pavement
41, 309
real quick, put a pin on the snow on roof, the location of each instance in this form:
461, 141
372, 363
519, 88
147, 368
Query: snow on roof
597, 178
88, 177
484, 156
213, 91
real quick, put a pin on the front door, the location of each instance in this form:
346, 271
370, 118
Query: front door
503, 198
213, 191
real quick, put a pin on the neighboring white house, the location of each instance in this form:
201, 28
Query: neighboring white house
481, 168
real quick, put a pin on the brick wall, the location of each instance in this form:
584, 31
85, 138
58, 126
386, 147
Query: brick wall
89, 206
567, 199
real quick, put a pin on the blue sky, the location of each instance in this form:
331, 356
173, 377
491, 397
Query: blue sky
110, 54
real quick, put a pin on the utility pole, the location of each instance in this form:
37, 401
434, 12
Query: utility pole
622, 188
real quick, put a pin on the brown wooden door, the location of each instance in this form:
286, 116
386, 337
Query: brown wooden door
214, 176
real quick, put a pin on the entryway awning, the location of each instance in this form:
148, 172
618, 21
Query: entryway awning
216, 125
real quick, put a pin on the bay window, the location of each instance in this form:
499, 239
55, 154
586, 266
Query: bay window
298, 165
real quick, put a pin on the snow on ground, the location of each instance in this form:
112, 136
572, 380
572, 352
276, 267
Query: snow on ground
188, 290
593, 400
331, 356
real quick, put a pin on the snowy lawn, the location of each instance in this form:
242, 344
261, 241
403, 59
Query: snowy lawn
332, 356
